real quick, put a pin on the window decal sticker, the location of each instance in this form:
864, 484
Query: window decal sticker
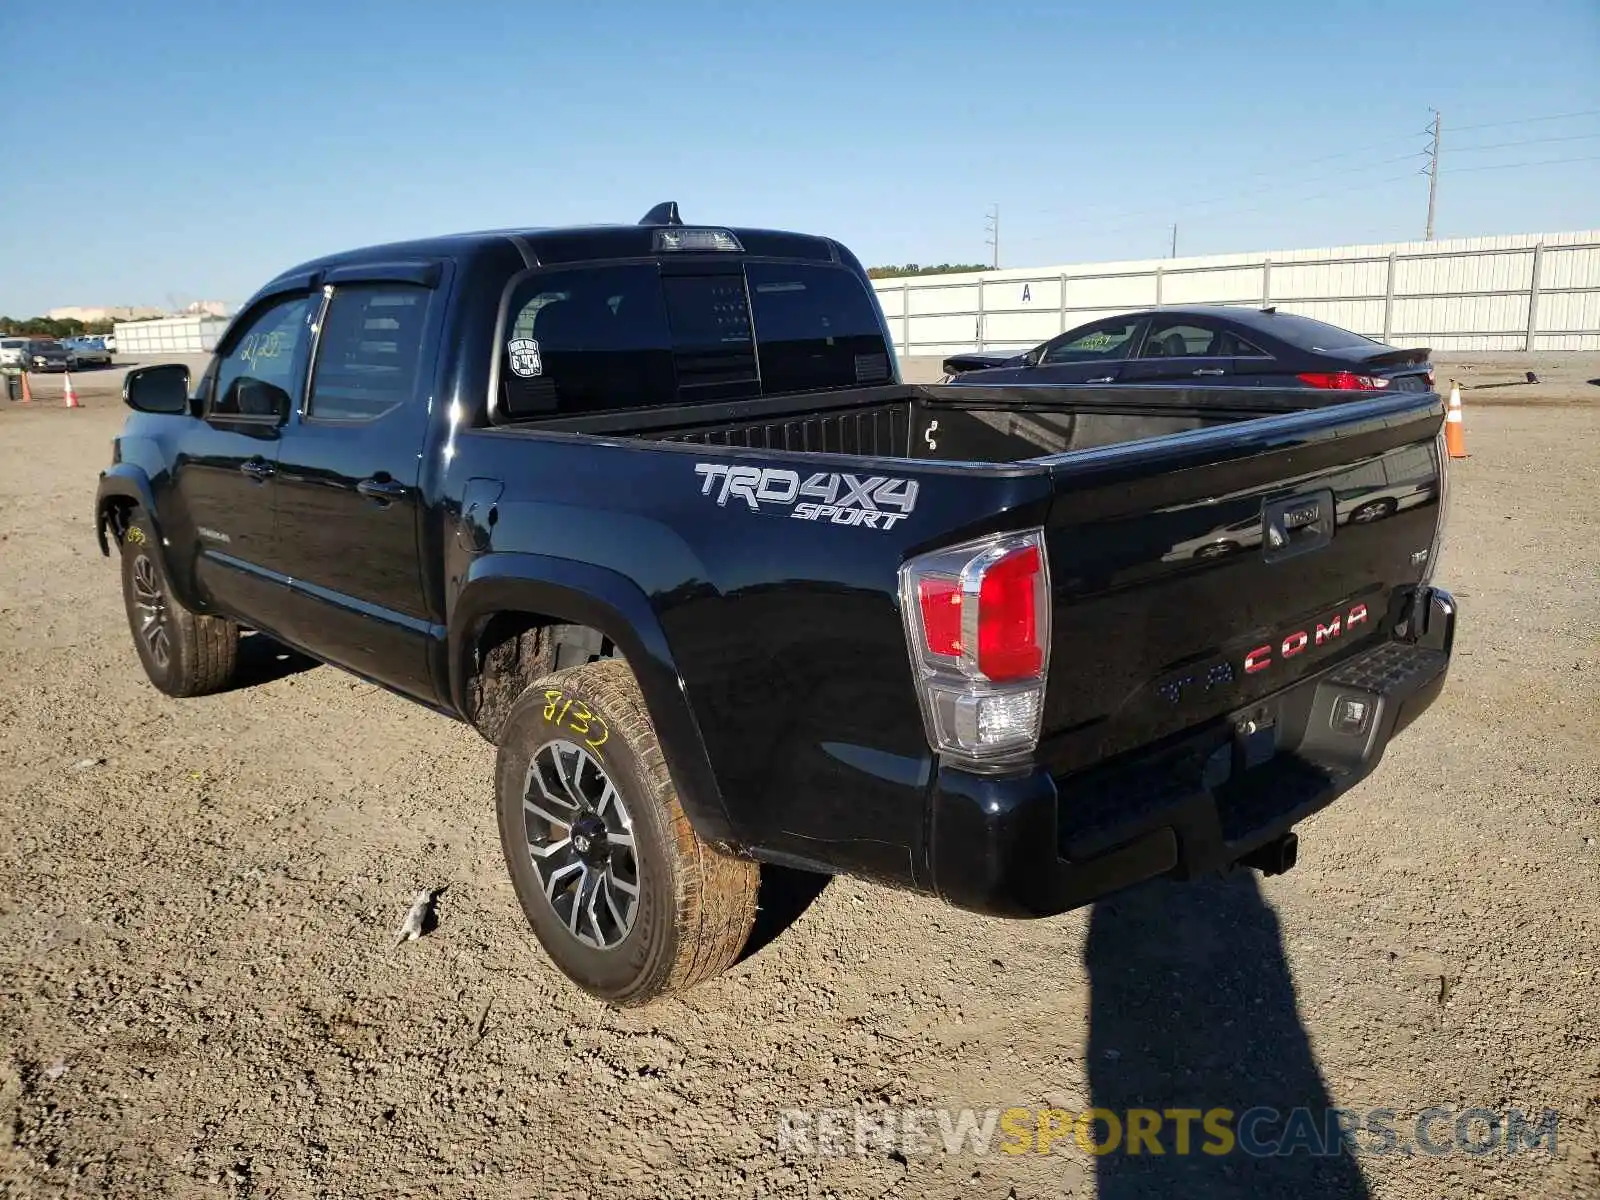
525, 362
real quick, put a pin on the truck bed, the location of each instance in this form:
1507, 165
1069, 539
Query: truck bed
946, 421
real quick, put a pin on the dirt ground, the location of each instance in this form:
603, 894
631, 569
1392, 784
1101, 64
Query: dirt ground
200, 996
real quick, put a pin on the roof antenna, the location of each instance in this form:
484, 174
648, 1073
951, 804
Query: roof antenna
665, 213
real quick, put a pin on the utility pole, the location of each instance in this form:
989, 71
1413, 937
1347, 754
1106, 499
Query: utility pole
1432, 171
991, 226
1174, 253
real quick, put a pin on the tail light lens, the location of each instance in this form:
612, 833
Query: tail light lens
1343, 381
977, 622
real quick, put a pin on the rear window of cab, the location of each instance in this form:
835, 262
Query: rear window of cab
639, 335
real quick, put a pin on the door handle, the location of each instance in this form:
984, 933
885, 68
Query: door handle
1210, 371
258, 469
1102, 379
381, 490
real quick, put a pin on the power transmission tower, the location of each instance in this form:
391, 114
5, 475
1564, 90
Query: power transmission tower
1432, 172
991, 226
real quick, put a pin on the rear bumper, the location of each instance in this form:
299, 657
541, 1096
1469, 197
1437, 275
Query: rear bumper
1034, 846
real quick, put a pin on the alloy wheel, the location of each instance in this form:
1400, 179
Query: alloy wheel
580, 841
151, 604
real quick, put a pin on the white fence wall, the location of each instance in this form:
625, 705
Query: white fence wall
1517, 292
169, 335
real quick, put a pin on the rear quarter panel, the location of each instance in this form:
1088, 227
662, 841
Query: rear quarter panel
784, 631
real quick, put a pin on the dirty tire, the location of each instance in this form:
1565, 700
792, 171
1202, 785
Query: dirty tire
183, 652
695, 904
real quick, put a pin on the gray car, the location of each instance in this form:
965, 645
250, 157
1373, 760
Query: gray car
87, 351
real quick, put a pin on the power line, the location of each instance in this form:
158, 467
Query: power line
1529, 120
1538, 162
1566, 137
1079, 210
1265, 207
1310, 162
1131, 219
1187, 205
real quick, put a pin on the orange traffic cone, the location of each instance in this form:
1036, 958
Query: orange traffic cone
1455, 439
27, 392
69, 394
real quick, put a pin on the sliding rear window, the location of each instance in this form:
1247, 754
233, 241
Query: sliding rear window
610, 338
816, 328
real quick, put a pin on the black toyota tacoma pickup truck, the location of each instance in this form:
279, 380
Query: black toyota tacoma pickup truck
650, 507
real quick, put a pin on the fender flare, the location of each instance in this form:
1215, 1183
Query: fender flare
581, 593
126, 482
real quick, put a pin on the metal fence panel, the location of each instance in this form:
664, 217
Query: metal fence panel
1512, 292
169, 335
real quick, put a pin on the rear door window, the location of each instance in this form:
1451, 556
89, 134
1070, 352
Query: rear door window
368, 352
1235, 346
1180, 339
816, 328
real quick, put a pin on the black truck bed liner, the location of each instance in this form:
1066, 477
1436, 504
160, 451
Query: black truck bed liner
945, 421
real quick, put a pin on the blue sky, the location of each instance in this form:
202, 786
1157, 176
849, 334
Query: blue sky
173, 151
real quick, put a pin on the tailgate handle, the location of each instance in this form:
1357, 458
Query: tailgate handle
1296, 525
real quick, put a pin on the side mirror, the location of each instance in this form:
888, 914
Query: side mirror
160, 389
1032, 357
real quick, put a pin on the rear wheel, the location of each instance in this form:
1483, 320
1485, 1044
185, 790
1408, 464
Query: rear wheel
184, 653
621, 892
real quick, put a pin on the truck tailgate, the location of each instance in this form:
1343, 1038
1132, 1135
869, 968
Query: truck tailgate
1196, 574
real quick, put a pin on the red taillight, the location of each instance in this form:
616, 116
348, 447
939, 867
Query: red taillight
1343, 381
1008, 617
977, 620
941, 615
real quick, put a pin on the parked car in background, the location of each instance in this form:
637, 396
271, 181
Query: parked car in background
45, 354
86, 351
1206, 346
110, 342
12, 351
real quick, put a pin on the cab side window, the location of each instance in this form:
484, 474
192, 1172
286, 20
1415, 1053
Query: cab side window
261, 373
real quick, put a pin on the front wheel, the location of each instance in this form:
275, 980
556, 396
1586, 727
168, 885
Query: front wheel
184, 653
621, 892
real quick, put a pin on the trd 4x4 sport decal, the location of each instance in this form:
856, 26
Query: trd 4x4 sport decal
873, 501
